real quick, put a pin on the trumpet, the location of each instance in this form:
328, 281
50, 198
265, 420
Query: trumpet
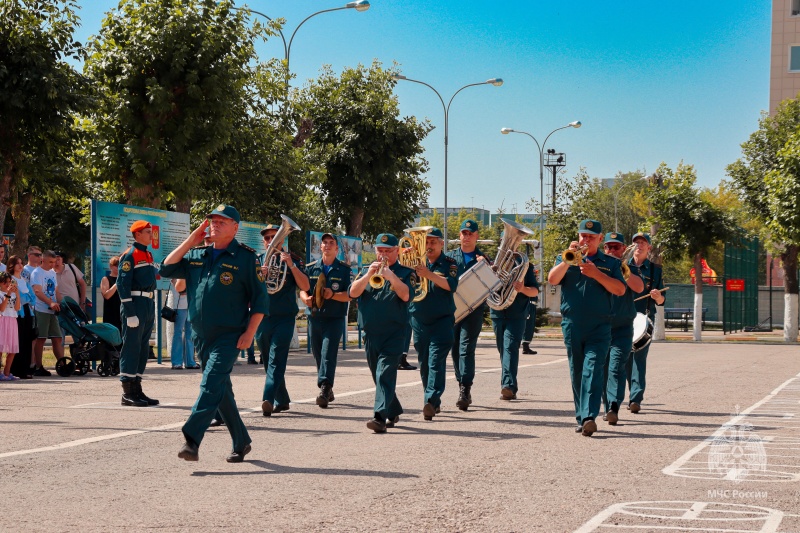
574, 257
377, 281
626, 270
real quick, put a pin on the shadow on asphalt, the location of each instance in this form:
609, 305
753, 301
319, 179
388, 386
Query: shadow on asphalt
272, 468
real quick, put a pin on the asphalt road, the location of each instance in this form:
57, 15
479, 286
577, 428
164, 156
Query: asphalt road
715, 448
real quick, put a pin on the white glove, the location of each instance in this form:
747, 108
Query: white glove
133, 321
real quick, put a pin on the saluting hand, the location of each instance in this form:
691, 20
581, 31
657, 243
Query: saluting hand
199, 234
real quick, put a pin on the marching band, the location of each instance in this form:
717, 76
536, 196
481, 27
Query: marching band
442, 295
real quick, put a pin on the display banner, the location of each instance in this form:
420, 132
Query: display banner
350, 249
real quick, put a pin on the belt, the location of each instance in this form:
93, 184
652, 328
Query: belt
142, 293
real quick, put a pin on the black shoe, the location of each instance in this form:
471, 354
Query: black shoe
195, 367
404, 364
142, 395
390, 422
266, 408
238, 457
377, 425
589, 426
324, 395
251, 362
428, 411
216, 422
177, 367
130, 396
507, 394
41, 372
280, 408
189, 451
331, 397
462, 402
526, 349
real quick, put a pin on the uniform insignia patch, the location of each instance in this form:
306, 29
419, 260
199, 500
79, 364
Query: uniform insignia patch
414, 281
335, 286
261, 277
221, 207
613, 235
384, 238
226, 278
589, 225
453, 271
126, 266
469, 224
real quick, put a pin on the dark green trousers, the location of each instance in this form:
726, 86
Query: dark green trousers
508, 336
636, 367
433, 342
465, 335
326, 334
217, 354
136, 341
383, 355
530, 323
274, 336
587, 348
618, 354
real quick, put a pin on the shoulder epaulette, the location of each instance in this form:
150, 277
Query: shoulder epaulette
201, 247
449, 259
312, 263
247, 247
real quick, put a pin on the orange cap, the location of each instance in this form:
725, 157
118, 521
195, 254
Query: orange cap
139, 225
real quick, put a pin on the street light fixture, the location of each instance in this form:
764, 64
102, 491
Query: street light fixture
506, 131
616, 195
497, 82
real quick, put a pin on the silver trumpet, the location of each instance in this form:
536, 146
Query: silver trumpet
277, 270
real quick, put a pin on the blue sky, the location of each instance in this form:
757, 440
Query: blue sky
650, 81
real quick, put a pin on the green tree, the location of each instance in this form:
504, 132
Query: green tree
688, 224
171, 75
39, 95
372, 157
768, 179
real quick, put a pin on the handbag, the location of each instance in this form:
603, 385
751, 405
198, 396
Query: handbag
168, 313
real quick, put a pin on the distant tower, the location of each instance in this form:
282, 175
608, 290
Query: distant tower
784, 78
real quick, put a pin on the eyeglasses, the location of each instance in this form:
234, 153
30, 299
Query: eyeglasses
268, 238
614, 246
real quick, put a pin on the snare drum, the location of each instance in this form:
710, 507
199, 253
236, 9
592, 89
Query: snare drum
642, 331
474, 286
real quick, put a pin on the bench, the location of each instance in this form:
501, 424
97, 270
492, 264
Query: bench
684, 314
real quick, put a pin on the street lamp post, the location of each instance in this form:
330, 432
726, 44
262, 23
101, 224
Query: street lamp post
497, 82
506, 131
616, 196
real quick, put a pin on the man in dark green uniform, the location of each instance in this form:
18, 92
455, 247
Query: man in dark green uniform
530, 325
653, 279
227, 300
586, 301
624, 312
467, 331
136, 285
509, 326
432, 320
383, 314
328, 322
274, 336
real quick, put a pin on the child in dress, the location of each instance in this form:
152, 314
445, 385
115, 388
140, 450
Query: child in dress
9, 336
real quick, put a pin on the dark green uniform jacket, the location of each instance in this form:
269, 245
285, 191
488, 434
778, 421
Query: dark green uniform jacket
439, 302
624, 308
284, 302
585, 300
337, 279
653, 278
136, 273
381, 311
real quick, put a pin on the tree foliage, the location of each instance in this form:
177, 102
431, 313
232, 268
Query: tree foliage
372, 157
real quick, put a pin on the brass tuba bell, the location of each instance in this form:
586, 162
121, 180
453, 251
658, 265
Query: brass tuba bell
413, 252
276, 269
509, 265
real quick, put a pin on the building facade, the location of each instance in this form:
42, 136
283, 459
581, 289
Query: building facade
785, 52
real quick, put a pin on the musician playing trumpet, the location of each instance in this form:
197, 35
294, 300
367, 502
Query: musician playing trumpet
274, 336
653, 279
383, 315
327, 321
624, 311
587, 290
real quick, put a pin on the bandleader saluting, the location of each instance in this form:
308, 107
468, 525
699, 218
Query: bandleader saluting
588, 283
383, 290
227, 301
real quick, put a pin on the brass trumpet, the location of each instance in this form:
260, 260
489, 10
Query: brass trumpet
377, 281
574, 257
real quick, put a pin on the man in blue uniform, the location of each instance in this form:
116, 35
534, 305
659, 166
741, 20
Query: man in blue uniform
274, 336
586, 301
432, 320
383, 314
624, 311
653, 279
136, 285
467, 331
329, 320
227, 300
509, 326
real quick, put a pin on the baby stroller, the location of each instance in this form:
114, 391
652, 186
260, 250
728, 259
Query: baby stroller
90, 342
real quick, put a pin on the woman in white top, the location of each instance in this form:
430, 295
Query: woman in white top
9, 338
182, 355
26, 323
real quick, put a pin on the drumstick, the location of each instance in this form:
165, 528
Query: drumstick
648, 294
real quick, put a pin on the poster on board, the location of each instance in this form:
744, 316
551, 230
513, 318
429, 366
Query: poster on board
350, 249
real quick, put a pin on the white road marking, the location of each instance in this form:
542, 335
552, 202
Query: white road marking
114, 406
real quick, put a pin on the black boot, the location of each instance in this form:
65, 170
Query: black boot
463, 402
404, 364
526, 349
324, 394
129, 395
142, 396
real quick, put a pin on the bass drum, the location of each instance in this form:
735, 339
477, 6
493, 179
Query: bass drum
474, 287
642, 331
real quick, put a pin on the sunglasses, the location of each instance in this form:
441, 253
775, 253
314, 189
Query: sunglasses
36, 254
614, 246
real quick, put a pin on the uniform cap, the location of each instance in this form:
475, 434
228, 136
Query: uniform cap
227, 211
331, 235
139, 225
435, 232
615, 237
386, 239
641, 235
469, 225
590, 226
269, 227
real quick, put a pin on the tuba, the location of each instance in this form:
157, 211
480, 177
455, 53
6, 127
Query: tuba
413, 252
276, 269
510, 265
